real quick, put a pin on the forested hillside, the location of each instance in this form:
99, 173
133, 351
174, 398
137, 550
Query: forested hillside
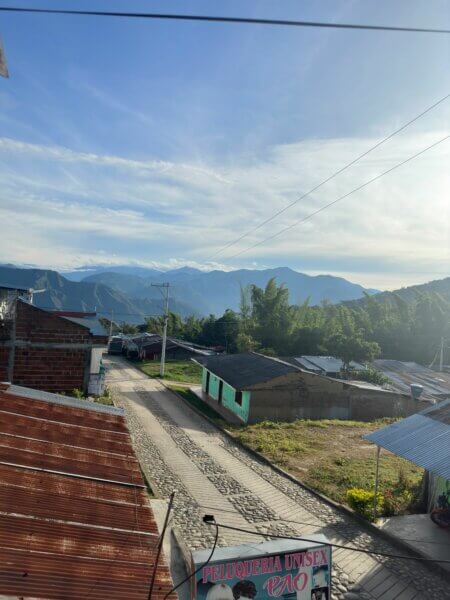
268, 323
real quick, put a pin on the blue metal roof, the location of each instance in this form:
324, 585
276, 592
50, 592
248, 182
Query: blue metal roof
423, 438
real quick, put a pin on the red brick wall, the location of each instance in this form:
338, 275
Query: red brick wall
4, 356
5, 333
53, 370
50, 369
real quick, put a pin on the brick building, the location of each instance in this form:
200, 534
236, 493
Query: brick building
49, 351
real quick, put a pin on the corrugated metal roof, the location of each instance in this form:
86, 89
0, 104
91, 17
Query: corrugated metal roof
11, 286
423, 438
25, 392
242, 371
403, 374
92, 323
327, 364
74, 516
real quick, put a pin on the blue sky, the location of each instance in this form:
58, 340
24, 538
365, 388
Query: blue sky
159, 142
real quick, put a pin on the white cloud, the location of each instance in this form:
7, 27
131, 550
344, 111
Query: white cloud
67, 208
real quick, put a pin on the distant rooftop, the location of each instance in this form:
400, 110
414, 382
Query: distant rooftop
403, 374
92, 323
8, 286
322, 364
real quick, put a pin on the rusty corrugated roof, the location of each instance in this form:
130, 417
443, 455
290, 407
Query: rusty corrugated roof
74, 515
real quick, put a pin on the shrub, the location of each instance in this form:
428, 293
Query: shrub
371, 375
362, 501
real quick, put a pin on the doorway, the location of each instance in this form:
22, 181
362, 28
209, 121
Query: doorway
220, 391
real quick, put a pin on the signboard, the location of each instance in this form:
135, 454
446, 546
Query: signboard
281, 569
3, 67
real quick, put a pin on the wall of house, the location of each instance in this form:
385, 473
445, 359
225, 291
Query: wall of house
228, 396
308, 396
5, 334
51, 353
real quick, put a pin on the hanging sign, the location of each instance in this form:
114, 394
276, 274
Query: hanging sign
278, 569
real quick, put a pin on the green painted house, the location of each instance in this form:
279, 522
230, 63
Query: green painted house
233, 383
247, 388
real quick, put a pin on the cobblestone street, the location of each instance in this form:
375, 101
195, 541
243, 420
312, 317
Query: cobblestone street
181, 451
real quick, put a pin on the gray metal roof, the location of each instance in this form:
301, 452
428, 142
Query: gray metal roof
403, 374
423, 438
242, 371
92, 323
33, 394
327, 364
20, 288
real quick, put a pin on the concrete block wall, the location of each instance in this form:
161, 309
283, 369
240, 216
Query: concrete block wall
308, 396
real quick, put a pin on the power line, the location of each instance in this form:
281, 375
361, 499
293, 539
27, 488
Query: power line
213, 19
201, 566
332, 544
325, 206
317, 524
347, 166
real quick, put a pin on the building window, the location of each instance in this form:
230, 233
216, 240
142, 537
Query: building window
238, 398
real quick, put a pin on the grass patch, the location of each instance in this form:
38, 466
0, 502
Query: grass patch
332, 457
184, 371
105, 398
197, 403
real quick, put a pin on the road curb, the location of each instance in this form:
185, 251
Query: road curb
340, 507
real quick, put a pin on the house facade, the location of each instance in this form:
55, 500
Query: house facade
50, 351
247, 388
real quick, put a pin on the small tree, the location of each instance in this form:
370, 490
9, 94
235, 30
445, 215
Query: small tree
351, 348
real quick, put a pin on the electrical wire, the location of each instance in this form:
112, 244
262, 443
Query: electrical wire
322, 183
332, 544
317, 524
200, 567
332, 203
218, 19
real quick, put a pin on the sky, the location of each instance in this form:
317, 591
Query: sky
158, 143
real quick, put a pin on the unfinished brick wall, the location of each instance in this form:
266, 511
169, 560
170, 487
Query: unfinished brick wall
37, 363
5, 334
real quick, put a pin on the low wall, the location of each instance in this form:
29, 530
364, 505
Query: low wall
316, 397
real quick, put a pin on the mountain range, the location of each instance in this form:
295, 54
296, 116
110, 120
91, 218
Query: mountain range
61, 293
129, 293
213, 292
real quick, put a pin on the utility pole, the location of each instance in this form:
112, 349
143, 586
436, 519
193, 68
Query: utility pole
441, 356
165, 293
111, 325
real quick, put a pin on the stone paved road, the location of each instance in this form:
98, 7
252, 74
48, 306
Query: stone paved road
181, 451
